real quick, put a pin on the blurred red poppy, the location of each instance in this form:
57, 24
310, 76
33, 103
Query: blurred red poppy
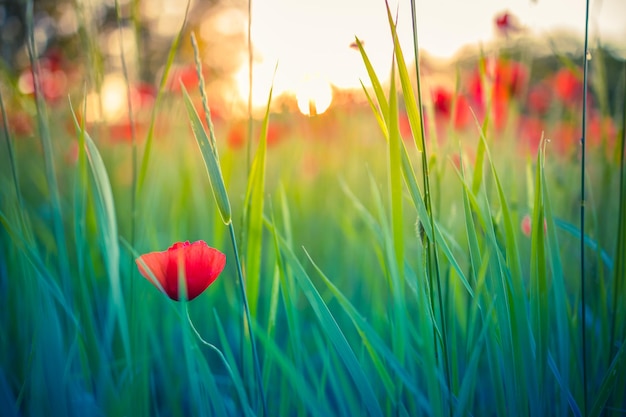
20, 123
539, 99
186, 74
200, 262
405, 126
236, 137
568, 86
506, 23
442, 102
526, 225
530, 130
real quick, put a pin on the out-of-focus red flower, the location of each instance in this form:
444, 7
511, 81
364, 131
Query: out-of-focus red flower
53, 83
565, 136
442, 102
512, 76
568, 86
531, 129
200, 263
236, 137
468, 157
507, 78
187, 75
539, 98
53, 79
506, 23
275, 133
122, 131
404, 126
142, 95
601, 129
462, 114
19, 122
476, 94
526, 225
72, 153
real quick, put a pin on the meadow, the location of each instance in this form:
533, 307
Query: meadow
387, 246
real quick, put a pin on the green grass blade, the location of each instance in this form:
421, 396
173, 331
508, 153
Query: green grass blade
46, 279
49, 164
107, 225
539, 313
332, 331
143, 170
412, 110
253, 214
383, 106
292, 374
211, 161
614, 374
395, 175
230, 360
375, 346
468, 385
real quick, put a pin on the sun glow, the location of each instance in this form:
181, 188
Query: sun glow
314, 96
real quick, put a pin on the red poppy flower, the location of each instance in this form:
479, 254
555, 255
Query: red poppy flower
539, 99
405, 126
200, 262
568, 86
507, 23
526, 225
442, 102
530, 130
186, 74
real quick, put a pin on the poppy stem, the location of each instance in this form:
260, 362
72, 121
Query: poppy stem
240, 392
242, 285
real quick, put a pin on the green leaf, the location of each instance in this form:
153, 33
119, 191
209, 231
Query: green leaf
211, 161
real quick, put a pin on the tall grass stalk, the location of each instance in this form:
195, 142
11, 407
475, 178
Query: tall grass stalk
208, 146
430, 245
583, 323
250, 67
133, 136
12, 161
49, 166
619, 272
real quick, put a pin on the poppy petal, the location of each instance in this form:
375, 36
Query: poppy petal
157, 264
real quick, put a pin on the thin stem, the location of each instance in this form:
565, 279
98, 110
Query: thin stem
582, 208
133, 135
242, 285
431, 248
12, 160
240, 392
250, 64
619, 271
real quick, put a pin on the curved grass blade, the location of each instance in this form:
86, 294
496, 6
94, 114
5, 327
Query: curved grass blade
412, 110
47, 281
108, 229
49, 165
332, 330
614, 374
253, 214
292, 374
211, 161
375, 346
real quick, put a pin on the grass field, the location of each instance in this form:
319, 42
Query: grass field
390, 256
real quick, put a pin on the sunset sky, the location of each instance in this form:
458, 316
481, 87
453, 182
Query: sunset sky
310, 40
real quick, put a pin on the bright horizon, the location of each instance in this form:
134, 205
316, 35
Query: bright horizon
312, 40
